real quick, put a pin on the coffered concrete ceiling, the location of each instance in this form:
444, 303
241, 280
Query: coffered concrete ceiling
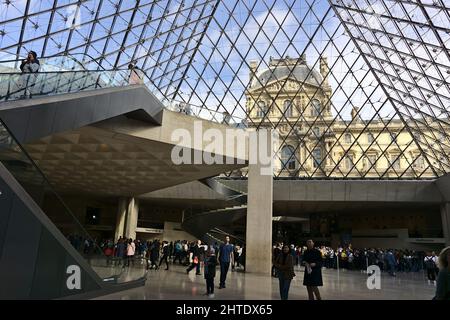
89, 160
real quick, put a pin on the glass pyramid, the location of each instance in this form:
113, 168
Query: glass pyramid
356, 89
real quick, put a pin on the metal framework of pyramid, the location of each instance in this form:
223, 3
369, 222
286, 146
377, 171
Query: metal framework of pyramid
388, 62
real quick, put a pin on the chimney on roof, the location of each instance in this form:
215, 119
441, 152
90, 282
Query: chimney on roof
303, 57
324, 70
355, 114
253, 67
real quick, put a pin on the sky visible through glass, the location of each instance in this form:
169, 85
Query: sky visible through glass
389, 59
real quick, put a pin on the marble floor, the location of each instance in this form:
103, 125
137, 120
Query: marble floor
175, 284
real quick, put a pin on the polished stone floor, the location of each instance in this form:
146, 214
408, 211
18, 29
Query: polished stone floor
175, 284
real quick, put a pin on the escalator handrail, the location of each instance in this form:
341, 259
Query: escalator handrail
222, 232
59, 72
55, 75
229, 193
69, 55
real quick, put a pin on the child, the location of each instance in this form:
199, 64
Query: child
210, 271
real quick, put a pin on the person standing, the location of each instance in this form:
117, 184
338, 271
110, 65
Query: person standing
178, 252
242, 257
238, 258
235, 255
86, 246
312, 259
131, 249
276, 251
109, 251
284, 265
30, 66
144, 250
171, 251
225, 258
135, 75
185, 253
391, 263
120, 251
436, 259
210, 271
165, 255
196, 251
154, 254
443, 280
430, 265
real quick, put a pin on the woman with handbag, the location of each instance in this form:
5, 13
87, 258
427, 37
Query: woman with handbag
284, 265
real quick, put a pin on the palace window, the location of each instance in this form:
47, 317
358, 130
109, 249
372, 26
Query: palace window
262, 109
393, 137
395, 162
419, 163
317, 157
369, 161
316, 108
370, 138
288, 108
348, 138
316, 131
288, 158
349, 162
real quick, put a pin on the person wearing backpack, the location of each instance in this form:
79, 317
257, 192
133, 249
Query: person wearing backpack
430, 266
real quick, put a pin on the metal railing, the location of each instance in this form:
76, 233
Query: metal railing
206, 114
16, 86
70, 67
66, 62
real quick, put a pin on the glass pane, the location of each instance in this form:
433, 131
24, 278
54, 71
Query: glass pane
24, 170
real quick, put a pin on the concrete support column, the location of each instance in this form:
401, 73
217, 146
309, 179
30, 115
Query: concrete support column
259, 213
120, 220
445, 215
132, 218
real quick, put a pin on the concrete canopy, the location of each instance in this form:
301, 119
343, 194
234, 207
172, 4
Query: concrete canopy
109, 142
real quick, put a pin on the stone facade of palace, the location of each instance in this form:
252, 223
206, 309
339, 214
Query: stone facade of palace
315, 142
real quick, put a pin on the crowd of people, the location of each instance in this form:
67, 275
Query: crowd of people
194, 255
389, 260
204, 259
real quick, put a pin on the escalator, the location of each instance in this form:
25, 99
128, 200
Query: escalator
45, 252
211, 225
21, 86
41, 244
